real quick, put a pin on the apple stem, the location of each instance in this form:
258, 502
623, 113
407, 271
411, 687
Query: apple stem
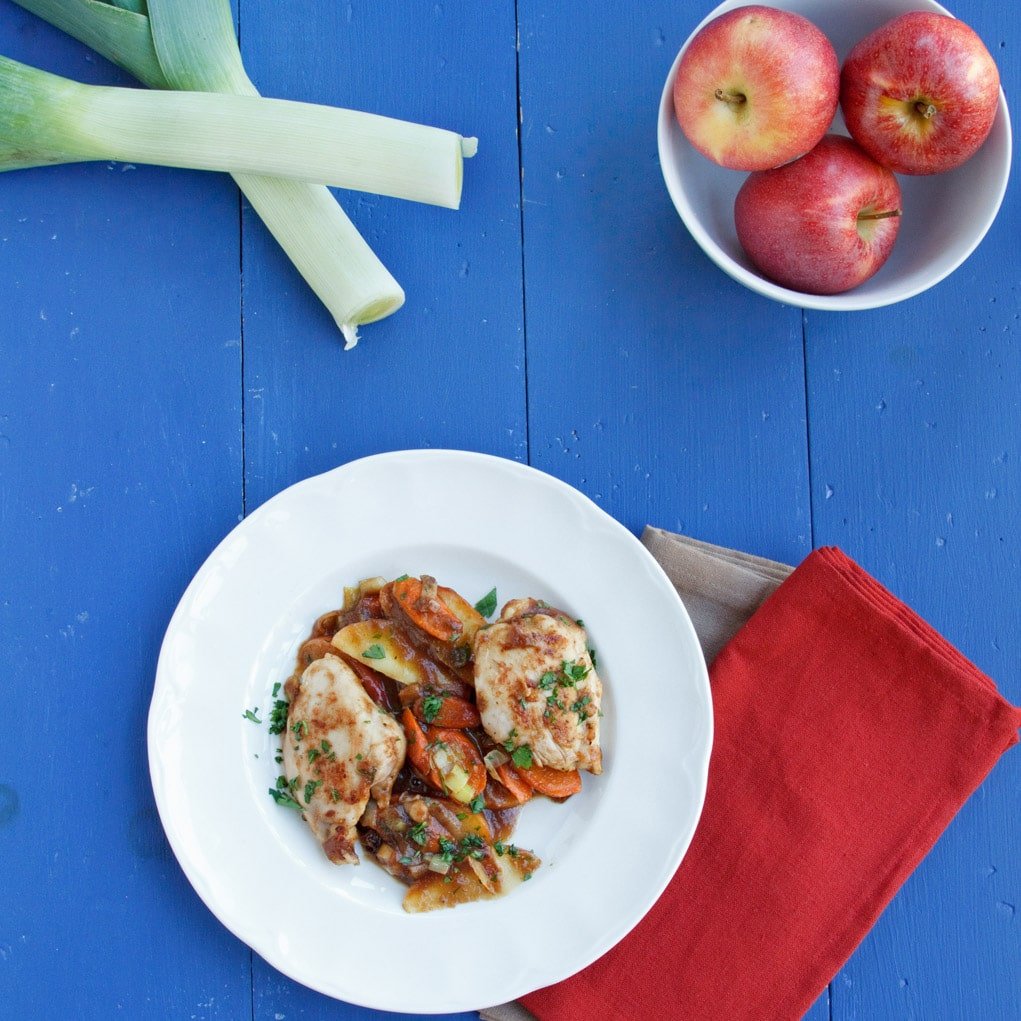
927, 110
734, 98
879, 216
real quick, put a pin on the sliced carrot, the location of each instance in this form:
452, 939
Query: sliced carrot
418, 749
554, 783
425, 744
512, 778
453, 712
417, 599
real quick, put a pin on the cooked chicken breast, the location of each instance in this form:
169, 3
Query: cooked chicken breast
339, 750
535, 685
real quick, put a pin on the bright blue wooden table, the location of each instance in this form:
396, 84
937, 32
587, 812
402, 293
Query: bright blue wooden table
164, 371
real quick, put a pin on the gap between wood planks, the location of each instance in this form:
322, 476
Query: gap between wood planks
518, 119
808, 450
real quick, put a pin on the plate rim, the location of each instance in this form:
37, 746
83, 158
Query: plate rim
698, 771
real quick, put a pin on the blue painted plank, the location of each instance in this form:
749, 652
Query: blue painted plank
665, 391
120, 468
658, 386
448, 368
916, 448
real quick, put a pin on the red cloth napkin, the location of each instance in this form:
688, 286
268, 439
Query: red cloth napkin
848, 734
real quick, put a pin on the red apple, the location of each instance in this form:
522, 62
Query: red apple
920, 93
822, 224
756, 87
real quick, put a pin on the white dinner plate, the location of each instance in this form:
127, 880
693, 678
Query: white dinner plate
474, 522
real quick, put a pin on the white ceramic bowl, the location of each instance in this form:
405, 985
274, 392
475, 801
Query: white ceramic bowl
945, 215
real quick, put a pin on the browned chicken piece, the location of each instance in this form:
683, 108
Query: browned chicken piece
339, 750
535, 685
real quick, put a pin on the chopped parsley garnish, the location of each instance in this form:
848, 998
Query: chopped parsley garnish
570, 674
470, 846
594, 658
527, 876
284, 798
477, 804
299, 728
334, 794
278, 758
431, 706
250, 714
278, 716
313, 754
487, 604
579, 708
580, 622
374, 652
410, 859
509, 743
283, 793
403, 577
310, 788
276, 689
502, 849
522, 756
417, 833
359, 756
574, 671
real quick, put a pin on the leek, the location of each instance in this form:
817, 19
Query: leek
198, 49
49, 119
122, 36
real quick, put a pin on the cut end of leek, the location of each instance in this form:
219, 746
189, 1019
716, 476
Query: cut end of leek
371, 313
469, 147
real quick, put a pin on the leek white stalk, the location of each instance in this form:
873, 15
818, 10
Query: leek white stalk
63, 121
198, 50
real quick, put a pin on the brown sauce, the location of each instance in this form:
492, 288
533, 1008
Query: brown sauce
385, 834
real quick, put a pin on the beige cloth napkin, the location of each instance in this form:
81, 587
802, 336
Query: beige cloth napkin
720, 588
